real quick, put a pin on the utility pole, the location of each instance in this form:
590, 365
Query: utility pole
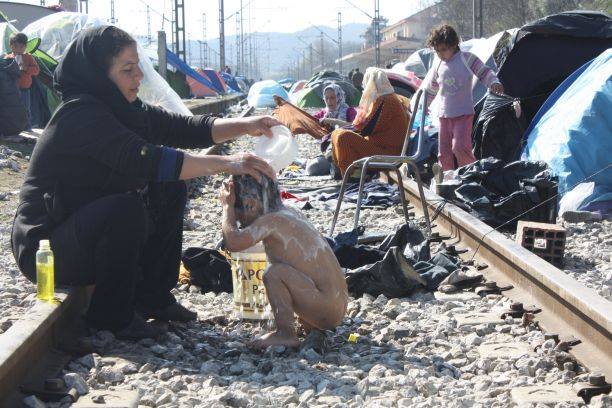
161, 54
112, 18
477, 17
322, 53
179, 28
82, 9
340, 43
238, 65
221, 37
242, 38
204, 44
311, 60
148, 25
377, 30
250, 45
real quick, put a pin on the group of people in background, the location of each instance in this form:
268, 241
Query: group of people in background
381, 120
16, 72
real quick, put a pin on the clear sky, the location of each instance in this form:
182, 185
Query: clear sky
266, 15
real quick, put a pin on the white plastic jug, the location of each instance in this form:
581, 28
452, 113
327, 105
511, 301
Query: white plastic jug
280, 150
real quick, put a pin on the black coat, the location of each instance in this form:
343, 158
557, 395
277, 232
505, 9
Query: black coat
96, 144
12, 112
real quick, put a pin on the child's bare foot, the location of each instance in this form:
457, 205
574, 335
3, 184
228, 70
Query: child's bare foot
275, 339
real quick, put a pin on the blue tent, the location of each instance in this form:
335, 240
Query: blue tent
230, 81
572, 131
262, 92
180, 65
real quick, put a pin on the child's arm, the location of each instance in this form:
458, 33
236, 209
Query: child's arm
483, 73
235, 239
32, 67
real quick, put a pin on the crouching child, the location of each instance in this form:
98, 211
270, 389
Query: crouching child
303, 275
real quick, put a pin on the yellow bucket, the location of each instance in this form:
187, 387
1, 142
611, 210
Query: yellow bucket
250, 298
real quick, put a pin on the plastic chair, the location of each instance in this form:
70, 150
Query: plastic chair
389, 163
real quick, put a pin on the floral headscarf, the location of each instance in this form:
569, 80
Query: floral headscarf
341, 105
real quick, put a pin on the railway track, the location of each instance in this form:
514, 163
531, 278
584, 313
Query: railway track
580, 319
568, 309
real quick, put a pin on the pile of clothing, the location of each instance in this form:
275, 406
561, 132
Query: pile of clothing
400, 265
501, 194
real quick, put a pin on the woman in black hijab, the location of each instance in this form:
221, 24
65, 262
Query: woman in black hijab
104, 185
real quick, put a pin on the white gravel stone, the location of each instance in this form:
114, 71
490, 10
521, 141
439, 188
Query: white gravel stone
74, 380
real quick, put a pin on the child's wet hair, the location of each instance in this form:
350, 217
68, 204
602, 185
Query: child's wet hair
18, 38
266, 192
443, 35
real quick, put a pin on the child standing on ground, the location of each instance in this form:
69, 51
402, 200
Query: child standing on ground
451, 76
303, 276
28, 68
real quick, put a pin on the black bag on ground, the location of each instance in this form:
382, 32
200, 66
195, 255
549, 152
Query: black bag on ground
498, 132
209, 269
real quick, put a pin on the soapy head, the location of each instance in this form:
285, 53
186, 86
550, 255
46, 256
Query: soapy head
254, 199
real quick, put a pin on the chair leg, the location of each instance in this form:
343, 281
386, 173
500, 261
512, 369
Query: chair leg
364, 171
400, 185
417, 175
340, 197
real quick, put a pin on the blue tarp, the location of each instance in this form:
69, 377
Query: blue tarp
179, 64
230, 81
572, 132
261, 93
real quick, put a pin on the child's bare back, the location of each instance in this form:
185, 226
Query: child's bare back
303, 276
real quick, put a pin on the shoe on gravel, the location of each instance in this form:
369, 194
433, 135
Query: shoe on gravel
175, 312
460, 279
138, 329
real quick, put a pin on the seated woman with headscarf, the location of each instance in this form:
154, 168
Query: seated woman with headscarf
336, 111
380, 126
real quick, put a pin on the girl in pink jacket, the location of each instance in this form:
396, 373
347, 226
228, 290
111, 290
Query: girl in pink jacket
451, 77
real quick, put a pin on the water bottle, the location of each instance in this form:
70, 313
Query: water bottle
45, 277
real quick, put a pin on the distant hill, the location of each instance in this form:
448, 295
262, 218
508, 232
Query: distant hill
283, 47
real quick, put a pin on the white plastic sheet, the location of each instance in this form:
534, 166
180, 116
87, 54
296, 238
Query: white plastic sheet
57, 31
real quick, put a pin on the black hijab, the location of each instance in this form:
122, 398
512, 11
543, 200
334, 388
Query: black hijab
82, 71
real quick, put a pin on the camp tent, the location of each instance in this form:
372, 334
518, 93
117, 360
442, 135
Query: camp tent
261, 94
216, 79
311, 94
230, 81
543, 53
199, 89
404, 83
533, 62
572, 132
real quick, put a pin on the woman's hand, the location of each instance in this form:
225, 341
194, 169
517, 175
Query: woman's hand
260, 125
250, 164
227, 194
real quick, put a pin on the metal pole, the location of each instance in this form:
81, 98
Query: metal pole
322, 53
242, 39
148, 25
204, 45
250, 45
377, 30
162, 58
473, 18
179, 29
480, 17
112, 18
238, 65
340, 43
311, 60
221, 36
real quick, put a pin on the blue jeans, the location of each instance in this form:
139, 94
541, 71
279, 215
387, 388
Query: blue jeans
25, 98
